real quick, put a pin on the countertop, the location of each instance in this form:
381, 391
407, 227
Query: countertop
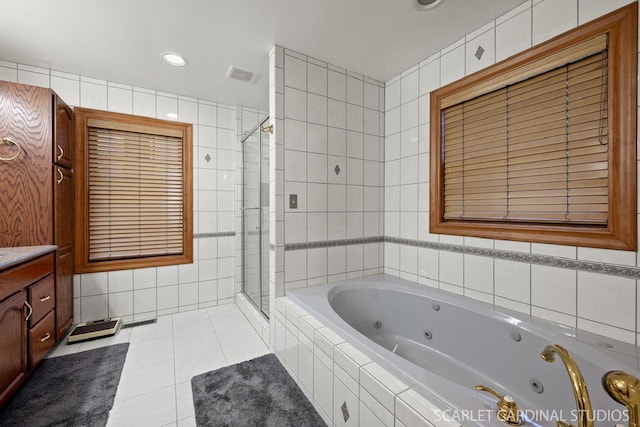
14, 256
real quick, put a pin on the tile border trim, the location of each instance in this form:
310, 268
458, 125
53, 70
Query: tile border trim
332, 243
545, 260
219, 234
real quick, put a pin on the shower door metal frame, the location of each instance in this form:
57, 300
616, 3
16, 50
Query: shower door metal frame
258, 128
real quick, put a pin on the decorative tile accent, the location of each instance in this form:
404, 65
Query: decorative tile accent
479, 52
332, 243
345, 411
207, 158
571, 264
337, 170
220, 234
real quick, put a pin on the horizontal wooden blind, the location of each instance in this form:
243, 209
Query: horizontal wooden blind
533, 151
136, 192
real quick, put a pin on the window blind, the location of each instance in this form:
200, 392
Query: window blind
535, 150
136, 191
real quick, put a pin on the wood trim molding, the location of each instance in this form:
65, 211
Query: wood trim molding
621, 27
82, 263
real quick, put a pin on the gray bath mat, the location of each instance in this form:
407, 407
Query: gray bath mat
258, 392
73, 390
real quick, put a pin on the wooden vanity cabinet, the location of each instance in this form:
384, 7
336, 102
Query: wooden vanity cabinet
27, 320
36, 192
13, 342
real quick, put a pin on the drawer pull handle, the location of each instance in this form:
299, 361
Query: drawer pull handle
46, 337
61, 177
61, 152
47, 298
30, 311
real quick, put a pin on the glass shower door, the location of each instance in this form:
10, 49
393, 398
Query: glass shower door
255, 211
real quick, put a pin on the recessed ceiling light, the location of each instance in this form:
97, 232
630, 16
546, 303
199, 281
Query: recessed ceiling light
425, 4
174, 59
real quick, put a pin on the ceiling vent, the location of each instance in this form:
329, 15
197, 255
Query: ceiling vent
239, 74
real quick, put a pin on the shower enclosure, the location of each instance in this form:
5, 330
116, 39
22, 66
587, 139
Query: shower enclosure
255, 217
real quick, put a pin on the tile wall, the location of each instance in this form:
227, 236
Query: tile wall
146, 293
600, 303
327, 151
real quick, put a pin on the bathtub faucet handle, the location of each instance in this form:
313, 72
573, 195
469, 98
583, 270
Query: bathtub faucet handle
508, 411
625, 389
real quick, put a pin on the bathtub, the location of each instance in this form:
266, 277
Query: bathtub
442, 345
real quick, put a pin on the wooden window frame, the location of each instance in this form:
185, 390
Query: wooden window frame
82, 116
621, 27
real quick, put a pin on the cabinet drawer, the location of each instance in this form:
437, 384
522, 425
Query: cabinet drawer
41, 338
42, 298
18, 278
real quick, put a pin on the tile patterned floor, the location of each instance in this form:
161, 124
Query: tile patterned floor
155, 386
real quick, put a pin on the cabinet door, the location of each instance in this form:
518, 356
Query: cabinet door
63, 201
13, 342
64, 290
25, 184
63, 136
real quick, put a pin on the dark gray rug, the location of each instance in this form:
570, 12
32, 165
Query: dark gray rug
73, 390
258, 392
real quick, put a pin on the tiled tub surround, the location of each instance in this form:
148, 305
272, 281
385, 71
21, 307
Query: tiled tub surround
603, 302
334, 372
150, 292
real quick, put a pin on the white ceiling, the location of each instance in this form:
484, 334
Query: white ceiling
121, 40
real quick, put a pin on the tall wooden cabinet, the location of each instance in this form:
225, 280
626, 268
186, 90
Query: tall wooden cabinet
36, 188
63, 212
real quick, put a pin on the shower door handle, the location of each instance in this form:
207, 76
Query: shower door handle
249, 209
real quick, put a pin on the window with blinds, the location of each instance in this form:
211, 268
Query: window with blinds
542, 146
533, 151
136, 191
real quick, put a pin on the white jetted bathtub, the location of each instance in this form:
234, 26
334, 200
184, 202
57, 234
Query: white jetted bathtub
443, 345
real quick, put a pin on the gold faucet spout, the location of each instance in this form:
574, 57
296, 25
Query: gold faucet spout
583, 402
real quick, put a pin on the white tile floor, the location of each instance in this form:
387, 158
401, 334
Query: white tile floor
155, 386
